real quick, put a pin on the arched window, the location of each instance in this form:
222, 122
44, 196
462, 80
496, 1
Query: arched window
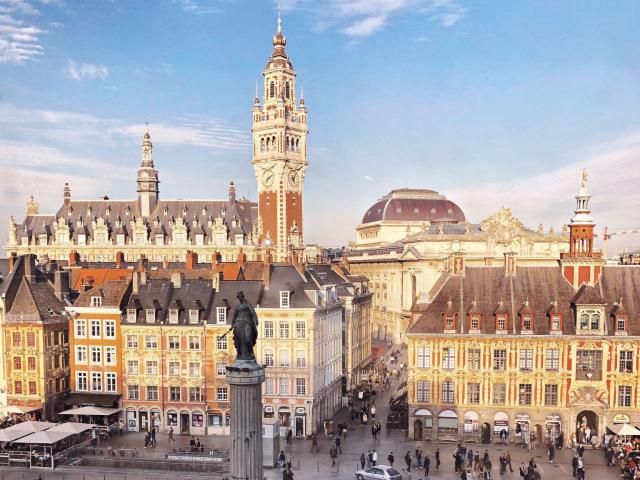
272, 89
287, 90
297, 144
273, 142
268, 143
262, 145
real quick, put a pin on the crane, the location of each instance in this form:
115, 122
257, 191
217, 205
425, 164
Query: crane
607, 235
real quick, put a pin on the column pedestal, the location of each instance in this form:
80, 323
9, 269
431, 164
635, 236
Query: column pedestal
245, 378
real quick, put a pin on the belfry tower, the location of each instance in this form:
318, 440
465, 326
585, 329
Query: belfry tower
280, 153
147, 178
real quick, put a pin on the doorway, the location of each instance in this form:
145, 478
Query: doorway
417, 430
144, 421
184, 423
486, 433
300, 433
586, 427
132, 421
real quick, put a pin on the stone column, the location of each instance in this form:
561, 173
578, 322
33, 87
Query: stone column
245, 378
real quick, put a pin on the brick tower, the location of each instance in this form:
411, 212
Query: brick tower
280, 153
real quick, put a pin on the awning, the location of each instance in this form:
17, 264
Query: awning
44, 438
108, 400
71, 427
98, 411
624, 429
9, 409
29, 427
10, 436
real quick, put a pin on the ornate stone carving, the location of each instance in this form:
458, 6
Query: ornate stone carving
502, 227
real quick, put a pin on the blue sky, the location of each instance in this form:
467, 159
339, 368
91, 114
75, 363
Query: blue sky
491, 103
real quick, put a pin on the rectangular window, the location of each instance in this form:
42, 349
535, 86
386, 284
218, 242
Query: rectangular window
284, 329
621, 324
423, 391
194, 369
174, 369
132, 341
301, 386
31, 339
555, 323
132, 367
194, 343
221, 342
152, 367
589, 365
473, 393
301, 330
109, 355
499, 393
626, 361
527, 323
221, 369
94, 328
112, 385
449, 322
33, 390
31, 363
268, 358
448, 392
174, 342
499, 359
221, 315
194, 316
173, 315
524, 394
134, 393
283, 357
81, 354
501, 322
284, 386
96, 381
448, 358
473, 358
82, 382
194, 394
96, 355
109, 329
174, 394
268, 329
284, 299
17, 363
551, 394
222, 394
301, 359
269, 386
81, 328
474, 322
151, 315
624, 396
152, 392
526, 360
151, 342
16, 339
552, 360
424, 357
131, 315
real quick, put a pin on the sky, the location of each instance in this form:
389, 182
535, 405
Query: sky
492, 103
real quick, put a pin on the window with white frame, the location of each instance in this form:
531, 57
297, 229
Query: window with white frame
111, 384
624, 395
110, 329
132, 341
151, 315
626, 361
194, 342
132, 367
96, 355
194, 316
423, 391
221, 315
81, 354
222, 394
526, 360
301, 330
473, 393
221, 342
194, 394
525, 394
301, 386
301, 359
284, 329
424, 357
151, 342
474, 357
283, 358
268, 358
194, 369
174, 369
96, 381
499, 393
82, 382
621, 323
284, 386
551, 394
134, 392
448, 392
174, 342
81, 328
284, 298
173, 315
94, 328
269, 385
448, 358
268, 329
152, 367
221, 369
174, 394
152, 392
131, 315
96, 301
552, 360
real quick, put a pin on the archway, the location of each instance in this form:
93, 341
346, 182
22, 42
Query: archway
417, 430
471, 423
586, 427
448, 423
501, 425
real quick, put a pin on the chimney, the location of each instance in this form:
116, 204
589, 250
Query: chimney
242, 257
74, 258
176, 279
12, 261
215, 260
232, 192
192, 260
61, 284
30, 266
136, 283
510, 264
216, 279
66, 195
266, 270
119, 259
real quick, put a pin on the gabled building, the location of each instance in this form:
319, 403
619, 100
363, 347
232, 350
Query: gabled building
529, 349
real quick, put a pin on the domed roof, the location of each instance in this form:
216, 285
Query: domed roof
414, 205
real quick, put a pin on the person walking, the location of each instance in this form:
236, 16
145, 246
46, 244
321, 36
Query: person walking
552, 452
437, 459
507, 457
391, 459
523, 470
373, 412
418, 458
338, 444
470, 457
287, 474
369, 459
374, 458
580, 470
282, 461
314, 443
426, 465
574, 465
171, 439
407, 461
363, 460
333, 453
463, 475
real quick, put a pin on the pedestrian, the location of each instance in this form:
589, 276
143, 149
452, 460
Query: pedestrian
314, 443
418, 458
463, 475
574, 465
426, 465
192, 444
373, 412
171, 439
485, 458
437, 459
363, 460
289, 436
374, 458
333, 453
287, 474
407, 461
532, 464
507, 457
147, 437
338, 444
364, 418
470, 457
391, 459
523, 470
281, 460
551, 452
326, 428
580, 470
369, 459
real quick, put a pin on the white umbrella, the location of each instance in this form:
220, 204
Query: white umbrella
71, 427
30, 427
625, 429
10, 436
99, 411
44, 438
9, 409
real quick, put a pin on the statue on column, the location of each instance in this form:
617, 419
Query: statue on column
245, 329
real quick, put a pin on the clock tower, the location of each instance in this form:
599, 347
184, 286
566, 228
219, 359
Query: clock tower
280, 153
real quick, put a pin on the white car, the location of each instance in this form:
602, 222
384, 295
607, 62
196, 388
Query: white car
379, 472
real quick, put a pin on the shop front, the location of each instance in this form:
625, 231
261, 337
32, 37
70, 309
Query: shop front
172, 420
523, 428
423, 424
471, 424
197, 423
300, 422
501, 424
131, 417
448, 425
284, 415
553, 425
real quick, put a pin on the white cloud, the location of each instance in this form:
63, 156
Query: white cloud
198, 7
366, 26
84, 71
19, 39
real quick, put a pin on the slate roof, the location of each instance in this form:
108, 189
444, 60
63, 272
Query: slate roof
414, 205
112, 293
545, 290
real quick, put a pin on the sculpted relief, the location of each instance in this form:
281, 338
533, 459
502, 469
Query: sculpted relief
504, 229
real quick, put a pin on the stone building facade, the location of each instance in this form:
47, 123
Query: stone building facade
529, 349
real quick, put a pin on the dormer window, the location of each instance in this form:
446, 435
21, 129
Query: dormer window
449, 321
131, 315
621, 324
239, 239
96, 301
527, 323
160, 239
199, 239
285, 297
193, 316
595, 321
151, 315
221, 315
474, 322
590, 321
82, 239
556, 323
501, 322
173, 315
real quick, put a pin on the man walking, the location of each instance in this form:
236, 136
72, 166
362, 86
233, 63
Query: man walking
171, 439
437, 459
427, 464
574, 465
363, 460
507, 457
391, 459
338, 444
374, 457
333, 453
407, 461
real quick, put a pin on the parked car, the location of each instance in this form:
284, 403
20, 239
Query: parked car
379, 472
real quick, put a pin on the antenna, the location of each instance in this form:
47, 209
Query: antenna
279, 20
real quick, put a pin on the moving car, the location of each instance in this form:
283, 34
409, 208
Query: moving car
379, 472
